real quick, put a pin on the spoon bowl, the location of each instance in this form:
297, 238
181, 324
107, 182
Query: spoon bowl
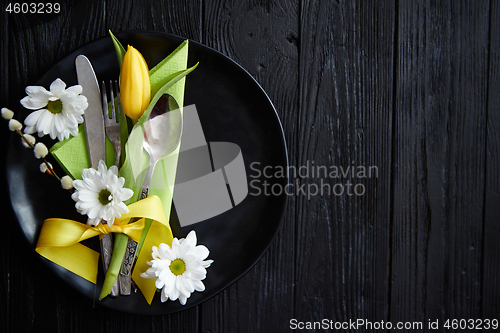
163, 129
162, 135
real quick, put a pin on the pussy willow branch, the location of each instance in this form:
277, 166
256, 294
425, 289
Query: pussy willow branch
32, 146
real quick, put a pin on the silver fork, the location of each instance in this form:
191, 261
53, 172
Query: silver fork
112, 127
112, 123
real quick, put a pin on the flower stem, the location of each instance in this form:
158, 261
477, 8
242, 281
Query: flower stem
119, 249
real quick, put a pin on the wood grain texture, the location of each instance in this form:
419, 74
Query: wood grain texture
345, 120
5, 246
410, 87
440, 158
491, 245
261, 37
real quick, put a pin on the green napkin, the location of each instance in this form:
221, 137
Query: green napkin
72, 154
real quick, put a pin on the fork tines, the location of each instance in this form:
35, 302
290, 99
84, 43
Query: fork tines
112, 121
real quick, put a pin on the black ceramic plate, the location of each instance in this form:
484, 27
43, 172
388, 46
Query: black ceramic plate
232, 108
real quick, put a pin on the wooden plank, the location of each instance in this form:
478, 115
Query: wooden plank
181, 18
20, 297
491, 247
261, 37
5, 246
439, 160
345, 116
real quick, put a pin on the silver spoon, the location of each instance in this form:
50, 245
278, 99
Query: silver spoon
162, 135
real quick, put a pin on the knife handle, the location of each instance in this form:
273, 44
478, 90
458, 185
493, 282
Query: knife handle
126, 268
129, 259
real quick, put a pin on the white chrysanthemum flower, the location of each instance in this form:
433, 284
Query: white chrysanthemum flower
59, 111
100, 194
180, 269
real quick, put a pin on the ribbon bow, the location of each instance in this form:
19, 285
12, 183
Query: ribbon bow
59, 241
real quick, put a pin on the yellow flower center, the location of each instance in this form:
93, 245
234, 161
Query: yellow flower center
55, 106
105, 197
178, 266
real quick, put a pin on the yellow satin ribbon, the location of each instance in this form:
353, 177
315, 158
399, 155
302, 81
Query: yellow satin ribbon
59, 241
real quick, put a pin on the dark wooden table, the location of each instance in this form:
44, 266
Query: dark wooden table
409, 87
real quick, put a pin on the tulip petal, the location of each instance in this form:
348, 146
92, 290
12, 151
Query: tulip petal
135, 86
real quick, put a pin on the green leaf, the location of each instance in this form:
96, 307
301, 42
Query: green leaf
119, 49
165, 84
168, 58
119, 248
124, 132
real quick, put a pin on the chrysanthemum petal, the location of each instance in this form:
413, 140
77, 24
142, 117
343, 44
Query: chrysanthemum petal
198, 285
32, 118
34, 103
200, 251
77, 89
190, 239
45, 122
164, 296
183, 299
57, 85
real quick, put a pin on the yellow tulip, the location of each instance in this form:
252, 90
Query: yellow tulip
134, 84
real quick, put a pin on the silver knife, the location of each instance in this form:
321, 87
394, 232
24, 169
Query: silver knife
96, 137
